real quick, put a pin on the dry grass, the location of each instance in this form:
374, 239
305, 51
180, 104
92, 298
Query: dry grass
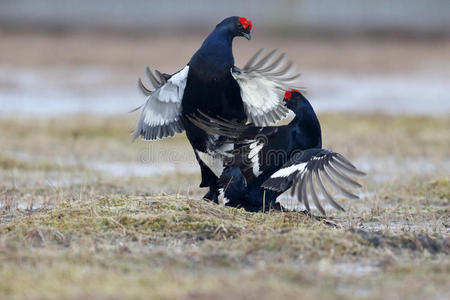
126, 246
384, 135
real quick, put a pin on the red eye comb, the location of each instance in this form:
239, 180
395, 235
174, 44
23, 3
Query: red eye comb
245, 23
288, 94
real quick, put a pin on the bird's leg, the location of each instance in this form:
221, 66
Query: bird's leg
212, 195
208, 196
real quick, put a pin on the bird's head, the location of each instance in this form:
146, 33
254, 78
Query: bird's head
237, 26
296, 102
293, 98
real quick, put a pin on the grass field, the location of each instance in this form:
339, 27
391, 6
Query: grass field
77, 222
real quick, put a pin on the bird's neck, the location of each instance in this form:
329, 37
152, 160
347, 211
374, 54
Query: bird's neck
216, 51
308, 124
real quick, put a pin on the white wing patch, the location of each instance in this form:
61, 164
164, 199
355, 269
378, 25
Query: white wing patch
173, 90
215, 156
221, 198
161, 114
262, 100
309, 179
253, 155
263, 83
285, 172
214, 164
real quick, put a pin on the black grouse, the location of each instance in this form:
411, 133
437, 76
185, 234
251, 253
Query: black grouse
268, 161
212, 84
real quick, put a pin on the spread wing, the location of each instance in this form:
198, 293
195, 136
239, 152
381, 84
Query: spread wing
263, 81
234, 131
161, 114
314, 170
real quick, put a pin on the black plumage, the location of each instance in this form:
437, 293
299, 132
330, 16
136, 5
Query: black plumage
212, 84
271, 160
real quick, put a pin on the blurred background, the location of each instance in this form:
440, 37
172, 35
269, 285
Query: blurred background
69, 70
62, 57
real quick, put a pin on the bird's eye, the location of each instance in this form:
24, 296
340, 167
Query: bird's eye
239, 25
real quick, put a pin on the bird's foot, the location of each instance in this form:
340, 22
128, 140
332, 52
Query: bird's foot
211, 196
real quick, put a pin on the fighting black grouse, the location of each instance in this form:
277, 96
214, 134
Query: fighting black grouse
270, 160
212, 84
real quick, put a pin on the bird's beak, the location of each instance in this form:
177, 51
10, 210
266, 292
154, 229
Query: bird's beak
248, 36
